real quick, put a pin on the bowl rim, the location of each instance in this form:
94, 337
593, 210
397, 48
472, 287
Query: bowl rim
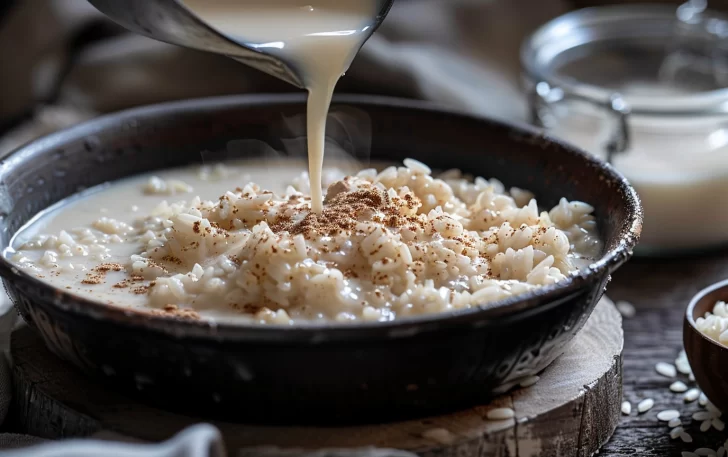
690, 311
478, 316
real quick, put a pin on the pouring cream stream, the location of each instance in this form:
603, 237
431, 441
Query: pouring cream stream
321, 37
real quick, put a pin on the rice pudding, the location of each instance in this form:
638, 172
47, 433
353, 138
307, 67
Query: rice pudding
205, 242
714, 324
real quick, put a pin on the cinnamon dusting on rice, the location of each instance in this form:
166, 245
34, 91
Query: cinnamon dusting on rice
343, 210
172, 259
247, 308
153, 264
140, 290
109, 267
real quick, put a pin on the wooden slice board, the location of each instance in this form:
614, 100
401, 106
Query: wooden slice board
571, 411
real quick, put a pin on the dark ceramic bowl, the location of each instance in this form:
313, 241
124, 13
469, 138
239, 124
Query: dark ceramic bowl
362, 372
707, 357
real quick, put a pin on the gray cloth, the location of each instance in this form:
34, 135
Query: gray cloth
196, 441
64, 63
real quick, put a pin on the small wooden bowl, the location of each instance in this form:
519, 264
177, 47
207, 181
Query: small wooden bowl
708, 358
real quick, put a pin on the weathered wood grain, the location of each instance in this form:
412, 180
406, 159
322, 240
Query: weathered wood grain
660, 289
572, 410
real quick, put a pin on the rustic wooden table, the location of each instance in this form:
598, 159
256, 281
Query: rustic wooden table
660, 289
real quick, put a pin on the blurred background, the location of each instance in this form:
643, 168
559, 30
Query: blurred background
62, 62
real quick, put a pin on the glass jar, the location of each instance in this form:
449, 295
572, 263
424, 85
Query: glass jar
646, 88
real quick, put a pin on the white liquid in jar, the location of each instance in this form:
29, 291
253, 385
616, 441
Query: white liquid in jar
321, 37
679, 168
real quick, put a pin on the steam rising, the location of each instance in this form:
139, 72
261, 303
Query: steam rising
348, 143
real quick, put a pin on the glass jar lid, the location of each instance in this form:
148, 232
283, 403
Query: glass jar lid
643, 59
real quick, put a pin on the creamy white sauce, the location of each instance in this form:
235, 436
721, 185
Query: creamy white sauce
320, 37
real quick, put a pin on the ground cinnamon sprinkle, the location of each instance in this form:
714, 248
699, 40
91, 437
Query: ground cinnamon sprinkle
139, 290
109, 267
170, 310
342, 212
98, 274
154, 264
172, 259
246, 308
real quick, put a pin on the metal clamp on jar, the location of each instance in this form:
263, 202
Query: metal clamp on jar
645, 87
